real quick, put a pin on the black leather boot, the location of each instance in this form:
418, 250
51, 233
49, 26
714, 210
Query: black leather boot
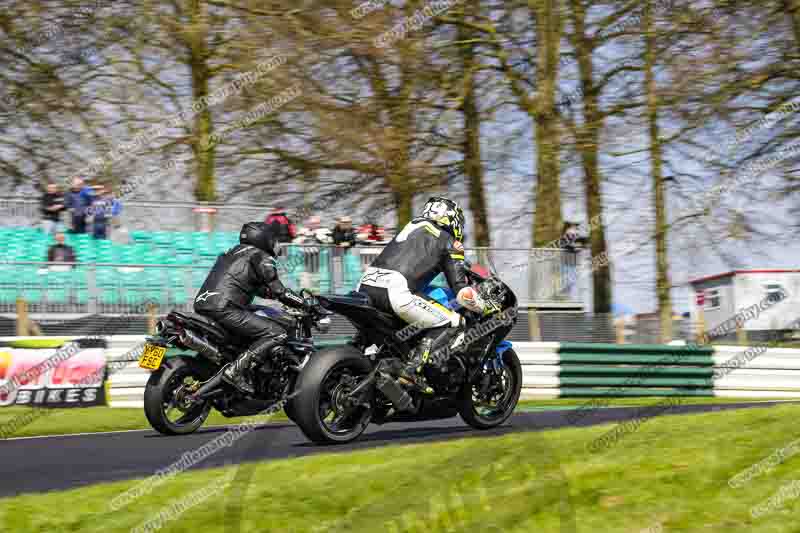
238, 374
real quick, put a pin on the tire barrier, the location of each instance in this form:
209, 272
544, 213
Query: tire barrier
624, 370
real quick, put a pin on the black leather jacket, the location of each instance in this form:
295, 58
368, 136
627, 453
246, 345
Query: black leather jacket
238, 276
420, 252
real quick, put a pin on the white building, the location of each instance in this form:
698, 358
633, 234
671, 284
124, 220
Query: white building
726, 294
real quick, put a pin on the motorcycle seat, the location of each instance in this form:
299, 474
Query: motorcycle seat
205, 323
357, 303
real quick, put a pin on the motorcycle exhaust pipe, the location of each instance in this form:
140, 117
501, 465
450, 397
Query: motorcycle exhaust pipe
200, 345
394, 392
208, 388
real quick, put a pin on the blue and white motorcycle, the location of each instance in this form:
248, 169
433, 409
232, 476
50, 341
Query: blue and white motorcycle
342, 389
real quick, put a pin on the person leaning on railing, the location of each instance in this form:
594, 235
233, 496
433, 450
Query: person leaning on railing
343, 232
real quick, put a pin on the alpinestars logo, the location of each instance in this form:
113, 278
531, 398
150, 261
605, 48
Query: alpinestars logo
205, 296
374, 277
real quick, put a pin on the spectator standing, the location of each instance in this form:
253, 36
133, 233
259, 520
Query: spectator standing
77, 201
60, 252
343, 232
104, 210
52, 207
571, 242
281, 226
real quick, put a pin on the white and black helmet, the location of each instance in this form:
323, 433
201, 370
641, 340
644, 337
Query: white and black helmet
445, 213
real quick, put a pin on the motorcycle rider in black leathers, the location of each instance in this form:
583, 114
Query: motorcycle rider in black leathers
239, 275
427, 246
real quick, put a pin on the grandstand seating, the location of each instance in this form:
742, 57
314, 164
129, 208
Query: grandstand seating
183, 260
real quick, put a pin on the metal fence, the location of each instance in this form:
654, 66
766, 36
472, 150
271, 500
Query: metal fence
116, 287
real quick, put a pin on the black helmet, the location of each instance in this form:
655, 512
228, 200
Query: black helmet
259, 234
447, 214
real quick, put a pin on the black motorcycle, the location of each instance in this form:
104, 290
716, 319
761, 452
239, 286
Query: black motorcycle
188, 352
343, 389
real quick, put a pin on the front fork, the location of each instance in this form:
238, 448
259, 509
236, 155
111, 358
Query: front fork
491, 369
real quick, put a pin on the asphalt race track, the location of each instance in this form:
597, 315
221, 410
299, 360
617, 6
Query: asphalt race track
41, 464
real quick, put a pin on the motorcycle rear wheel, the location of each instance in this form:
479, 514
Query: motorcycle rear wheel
160, 404
320, 408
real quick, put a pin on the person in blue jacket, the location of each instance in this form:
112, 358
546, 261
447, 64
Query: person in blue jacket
77, 201
104, 208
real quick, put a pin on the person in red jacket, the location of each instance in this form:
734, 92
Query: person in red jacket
281, 226
370, 233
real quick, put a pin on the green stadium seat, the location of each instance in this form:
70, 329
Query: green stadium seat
156, 277
162, 238
352, 271
131, 279
8, 296
184, 258
85, 255
134, 296
324, 271
198, 277
141, 236
81, 296
177, 295
106, 277
32, 295
109, 296
56, 295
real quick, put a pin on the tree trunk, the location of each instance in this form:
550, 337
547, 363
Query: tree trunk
205, 188
601, 275
588, 147
473, 165
547, 219
403, 201
662, 265
792, 7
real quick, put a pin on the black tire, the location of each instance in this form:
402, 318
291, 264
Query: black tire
306, 405
162, 384
288, 408
483, 421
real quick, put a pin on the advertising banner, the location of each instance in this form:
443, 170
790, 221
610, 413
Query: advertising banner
68, 376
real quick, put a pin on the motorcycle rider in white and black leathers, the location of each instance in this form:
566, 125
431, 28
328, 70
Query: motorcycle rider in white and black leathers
239, 275
427, 246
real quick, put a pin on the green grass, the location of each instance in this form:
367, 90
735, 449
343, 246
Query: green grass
93, 420
36, 343
629, 402
672, 473
97, 419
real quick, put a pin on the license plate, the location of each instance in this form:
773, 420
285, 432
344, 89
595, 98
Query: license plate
152, 356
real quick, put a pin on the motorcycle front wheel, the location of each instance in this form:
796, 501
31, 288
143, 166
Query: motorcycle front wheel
490, 408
